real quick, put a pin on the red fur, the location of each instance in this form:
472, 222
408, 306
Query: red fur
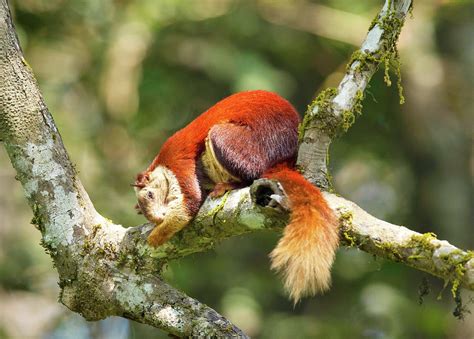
305, 253
253, 134
261, 111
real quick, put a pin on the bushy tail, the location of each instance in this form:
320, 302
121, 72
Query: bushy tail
305, 253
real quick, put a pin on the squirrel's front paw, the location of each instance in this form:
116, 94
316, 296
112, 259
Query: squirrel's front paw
158, 237
138, 209
222, 188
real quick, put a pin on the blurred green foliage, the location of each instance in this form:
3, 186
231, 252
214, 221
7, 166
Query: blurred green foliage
121, 76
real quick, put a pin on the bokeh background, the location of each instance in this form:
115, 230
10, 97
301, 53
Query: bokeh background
121, 76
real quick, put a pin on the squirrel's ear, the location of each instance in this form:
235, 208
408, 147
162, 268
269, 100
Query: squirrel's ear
141, 181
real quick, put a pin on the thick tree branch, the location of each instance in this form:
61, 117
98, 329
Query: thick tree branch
333, 111
421, 251
106, 269
93, 283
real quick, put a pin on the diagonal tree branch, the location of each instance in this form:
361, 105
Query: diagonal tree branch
106, 269
94, 281
333, 111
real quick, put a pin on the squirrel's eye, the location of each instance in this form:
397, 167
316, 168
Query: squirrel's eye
150, 195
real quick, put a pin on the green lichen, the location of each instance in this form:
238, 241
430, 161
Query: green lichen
423, 241
302, 169
421, 245
87, 246
456, 261
459, 271
37, 219
319, 115
137, 257
106, 250
349, 238
398, 65
96, 228
330, 187
345, 220
304, 125
386, 75
122, 258
110, 251
391, 250
454, 265
49, 248
349, 116
160, 254
212, 213
364, 60
359, 98
391, 25
348, 119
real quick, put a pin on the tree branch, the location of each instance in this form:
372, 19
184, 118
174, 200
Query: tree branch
94, 282
421, 251
332, 112
106, 269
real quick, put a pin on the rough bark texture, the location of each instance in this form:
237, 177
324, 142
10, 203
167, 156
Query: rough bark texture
398, 243
334, 110
85, 247
106, 269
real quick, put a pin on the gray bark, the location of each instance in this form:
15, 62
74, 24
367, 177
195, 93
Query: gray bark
106, 269
333, 112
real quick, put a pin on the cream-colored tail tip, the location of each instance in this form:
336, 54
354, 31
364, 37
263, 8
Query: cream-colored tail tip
305, 272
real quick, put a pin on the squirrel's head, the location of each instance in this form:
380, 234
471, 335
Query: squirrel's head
159, 196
